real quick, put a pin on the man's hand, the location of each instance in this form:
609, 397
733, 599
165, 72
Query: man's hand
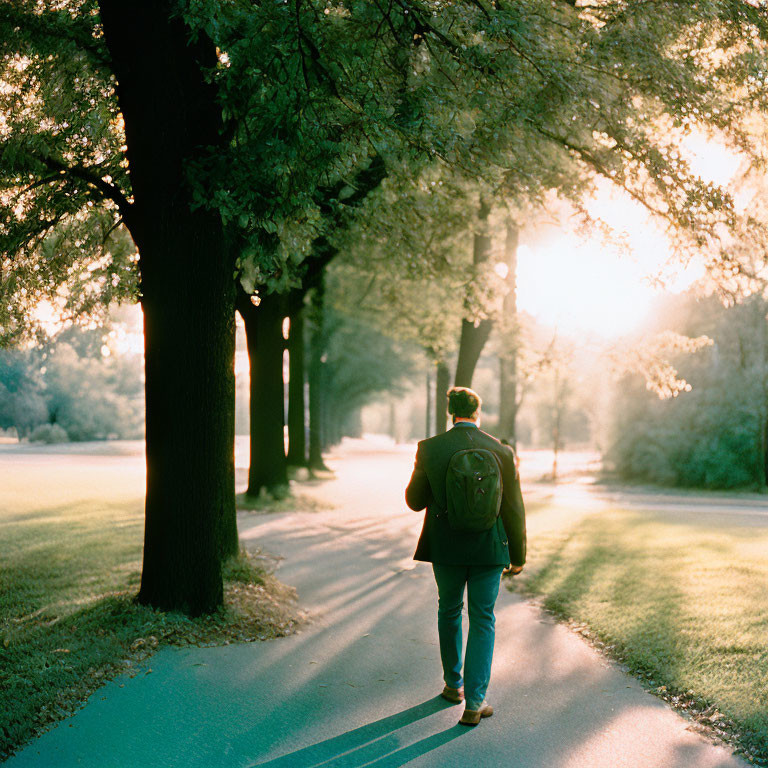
512, 570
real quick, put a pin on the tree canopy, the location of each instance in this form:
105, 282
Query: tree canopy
526, 96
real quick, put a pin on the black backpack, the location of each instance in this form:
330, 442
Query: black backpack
473, 490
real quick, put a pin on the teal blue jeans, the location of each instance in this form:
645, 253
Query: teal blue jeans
482, 584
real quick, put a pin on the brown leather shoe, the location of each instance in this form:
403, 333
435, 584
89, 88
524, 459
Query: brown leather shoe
455, 695
472, 716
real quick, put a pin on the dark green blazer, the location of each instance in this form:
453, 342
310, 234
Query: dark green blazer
504, 543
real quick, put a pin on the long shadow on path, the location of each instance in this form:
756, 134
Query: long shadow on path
377, 743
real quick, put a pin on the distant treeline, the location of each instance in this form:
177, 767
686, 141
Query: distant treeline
713, 436
77, 386
72, 388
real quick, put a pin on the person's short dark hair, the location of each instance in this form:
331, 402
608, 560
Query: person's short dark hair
463, 403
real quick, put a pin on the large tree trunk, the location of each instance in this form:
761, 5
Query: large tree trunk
442, 382
187, 295
508, 395
264, 337
315, 376
475, 335
297, 448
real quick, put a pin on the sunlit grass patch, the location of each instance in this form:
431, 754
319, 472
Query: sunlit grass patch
69, 571
684, 607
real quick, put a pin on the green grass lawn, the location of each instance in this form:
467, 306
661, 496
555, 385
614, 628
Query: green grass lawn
71, 528
683, 606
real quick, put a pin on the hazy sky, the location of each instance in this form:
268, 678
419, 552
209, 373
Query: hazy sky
582, 283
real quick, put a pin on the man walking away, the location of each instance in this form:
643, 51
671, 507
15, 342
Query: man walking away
474, 529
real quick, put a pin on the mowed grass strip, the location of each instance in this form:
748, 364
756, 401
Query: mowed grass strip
72, 532
683, 605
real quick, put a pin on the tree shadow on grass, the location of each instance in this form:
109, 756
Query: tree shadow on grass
614, 575
639, 612
375, 744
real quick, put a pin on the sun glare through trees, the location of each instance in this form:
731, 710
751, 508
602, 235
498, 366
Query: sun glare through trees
246, 251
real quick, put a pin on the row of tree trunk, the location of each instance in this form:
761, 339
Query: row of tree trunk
264, 329
187, 259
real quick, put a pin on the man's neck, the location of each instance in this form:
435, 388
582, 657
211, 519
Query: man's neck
462, 420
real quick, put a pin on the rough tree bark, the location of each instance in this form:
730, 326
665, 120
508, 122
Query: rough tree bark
508, 396
264, 337
474, 337
187, 296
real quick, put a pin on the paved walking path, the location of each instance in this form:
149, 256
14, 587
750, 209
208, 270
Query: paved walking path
357, 686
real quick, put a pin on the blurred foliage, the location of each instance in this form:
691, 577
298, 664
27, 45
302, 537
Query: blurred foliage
359, 362
713, 433
22, 404
559, 379
76, 386
420, 310
48, 433
651, 358
78, 268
